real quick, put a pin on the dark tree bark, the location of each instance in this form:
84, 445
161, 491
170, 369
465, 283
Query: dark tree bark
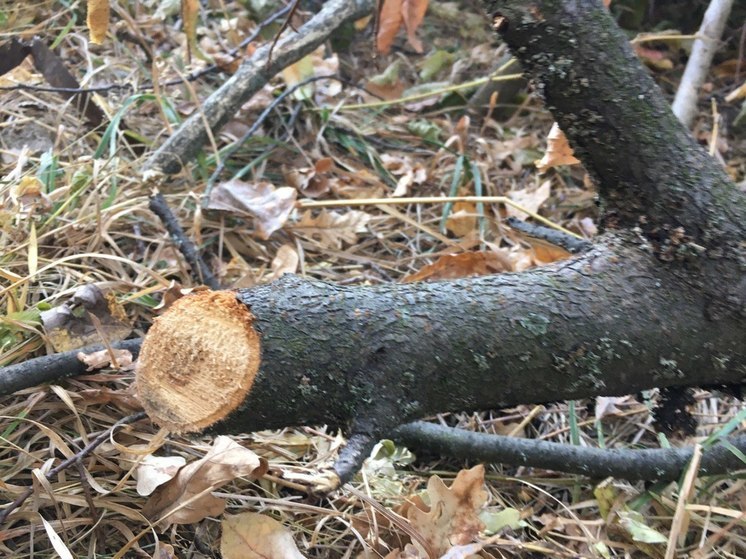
660, 301
652, 176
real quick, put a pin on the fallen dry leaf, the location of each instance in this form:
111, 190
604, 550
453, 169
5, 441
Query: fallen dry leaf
29, 192
545, 252
100, 359
298, 72
54, 538
463, 219
387, 85
385, 92
558, 151
187, 498
269, 206
362, 23
390, 19
397, 13
330, 228
154, 471
529, 198
413, 12
407, 172
89, 317
176, 291
452, 266
285, 262
227, 63
409, 552
357, 183
164, 551
256, 536
453, 516
324, 65
469, 551
314, 64
311, 181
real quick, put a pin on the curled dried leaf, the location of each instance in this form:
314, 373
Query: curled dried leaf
558, 151
269, 206
251, 534
452, 266
187, 498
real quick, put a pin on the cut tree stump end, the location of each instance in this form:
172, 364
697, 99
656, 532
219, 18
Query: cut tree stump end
198, 361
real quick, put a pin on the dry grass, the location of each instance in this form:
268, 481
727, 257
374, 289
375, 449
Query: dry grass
91, 224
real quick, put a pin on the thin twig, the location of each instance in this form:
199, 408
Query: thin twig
647, 464
199, 270
51, 368
285, 25
571, 244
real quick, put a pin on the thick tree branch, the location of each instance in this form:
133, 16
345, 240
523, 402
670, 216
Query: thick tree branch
661, 303
610, 322
650, 172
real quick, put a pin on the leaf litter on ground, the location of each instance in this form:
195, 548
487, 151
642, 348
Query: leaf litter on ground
85, 221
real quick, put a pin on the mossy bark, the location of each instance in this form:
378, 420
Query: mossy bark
660, 302
610, 322
651, 173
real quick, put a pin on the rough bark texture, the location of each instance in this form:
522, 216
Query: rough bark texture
660, 302
650, 171
653, 177
610, 322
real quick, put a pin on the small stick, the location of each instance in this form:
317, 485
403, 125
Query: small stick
557, 238
660, 464
200, 271
285, 24
51, 368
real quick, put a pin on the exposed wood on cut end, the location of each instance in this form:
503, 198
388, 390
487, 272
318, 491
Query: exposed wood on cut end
198, 361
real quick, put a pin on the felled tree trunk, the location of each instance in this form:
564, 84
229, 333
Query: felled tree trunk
661, 301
